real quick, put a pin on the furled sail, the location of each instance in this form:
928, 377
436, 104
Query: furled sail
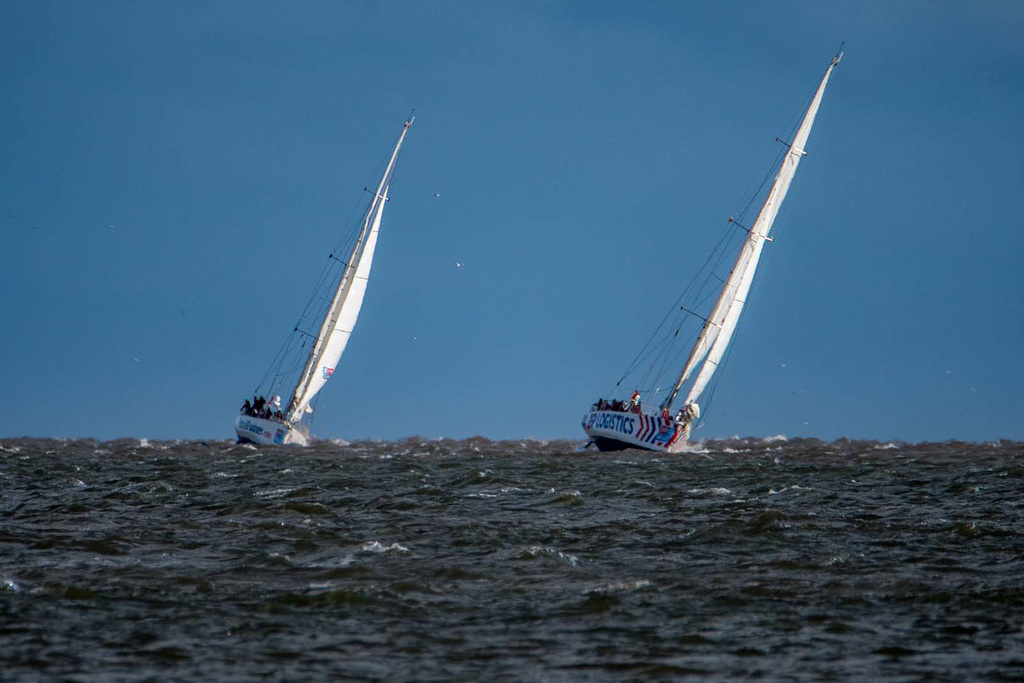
721, 324
343, 311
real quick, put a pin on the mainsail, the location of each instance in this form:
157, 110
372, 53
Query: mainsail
719, 327
343, 311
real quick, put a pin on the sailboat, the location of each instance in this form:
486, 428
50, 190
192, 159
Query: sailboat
620, 424
311, 353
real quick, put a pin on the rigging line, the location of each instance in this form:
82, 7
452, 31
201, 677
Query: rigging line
726, 245
353, 225
793, 124
773, 170
277, 360
721, 251
670, 357
347, 238
357, 218
683, 308
668, 350
358, 223
654, 372
718, 377
285, 348
731, 251
652, 350
678, 358
286, 356
755, 287
319, 290
641, 354
705, 293
379, 174
662, 349
322, 292
679, 350
394, 170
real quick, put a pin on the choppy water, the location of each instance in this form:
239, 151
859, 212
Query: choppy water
516, 561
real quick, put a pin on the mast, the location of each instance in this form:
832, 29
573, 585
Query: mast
721, 324
343, 311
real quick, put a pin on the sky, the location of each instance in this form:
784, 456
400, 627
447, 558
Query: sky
174, 174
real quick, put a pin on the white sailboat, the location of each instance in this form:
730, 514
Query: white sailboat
615, 425
320, 337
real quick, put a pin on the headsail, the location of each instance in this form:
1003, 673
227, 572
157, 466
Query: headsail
721, 324
343, 311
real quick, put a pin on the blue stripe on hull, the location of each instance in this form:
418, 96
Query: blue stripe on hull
603, 443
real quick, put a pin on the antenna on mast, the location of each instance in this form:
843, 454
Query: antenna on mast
839, 53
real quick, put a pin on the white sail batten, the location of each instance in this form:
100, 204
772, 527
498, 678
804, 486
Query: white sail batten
722, 324
347, 301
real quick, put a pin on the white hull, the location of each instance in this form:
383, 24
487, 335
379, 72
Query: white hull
267, 432
612, 430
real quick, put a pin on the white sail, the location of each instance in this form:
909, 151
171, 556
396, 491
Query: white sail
343, 311
720, 326
734, 294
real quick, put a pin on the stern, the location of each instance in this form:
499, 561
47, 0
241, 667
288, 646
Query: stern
267, 432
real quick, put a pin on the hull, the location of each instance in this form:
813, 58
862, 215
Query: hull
267, 432
611, 430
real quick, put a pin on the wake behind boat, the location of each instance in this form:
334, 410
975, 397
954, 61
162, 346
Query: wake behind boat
311, 353
616, 425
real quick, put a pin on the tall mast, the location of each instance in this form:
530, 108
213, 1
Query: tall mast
721, 324
347, 301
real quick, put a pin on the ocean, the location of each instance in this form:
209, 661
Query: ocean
515, 560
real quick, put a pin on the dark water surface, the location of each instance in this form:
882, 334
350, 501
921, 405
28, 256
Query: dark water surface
510, 560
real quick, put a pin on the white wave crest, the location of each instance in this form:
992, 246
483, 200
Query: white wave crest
378, 547
275, 493
538, 551
625, 587
718, 491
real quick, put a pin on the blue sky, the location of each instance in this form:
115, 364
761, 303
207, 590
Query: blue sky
175, 173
